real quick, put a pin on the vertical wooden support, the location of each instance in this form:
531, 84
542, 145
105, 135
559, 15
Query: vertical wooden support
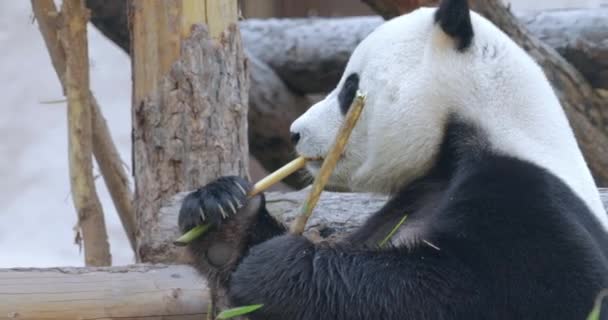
104, 149
90, 214
190, 97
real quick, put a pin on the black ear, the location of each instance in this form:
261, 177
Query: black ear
454, 18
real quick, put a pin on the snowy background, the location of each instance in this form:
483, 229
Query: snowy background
36, 212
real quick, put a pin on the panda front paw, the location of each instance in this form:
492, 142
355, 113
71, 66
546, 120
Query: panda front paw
216, 202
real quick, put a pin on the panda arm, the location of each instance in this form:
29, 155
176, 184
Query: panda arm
265, 227
294, 279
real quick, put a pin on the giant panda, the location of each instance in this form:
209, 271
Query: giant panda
463, 131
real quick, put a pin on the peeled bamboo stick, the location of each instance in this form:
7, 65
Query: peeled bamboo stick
297, 227
275, 177
259, 187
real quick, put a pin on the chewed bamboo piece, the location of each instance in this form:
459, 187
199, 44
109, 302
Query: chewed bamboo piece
258, 188
352, 116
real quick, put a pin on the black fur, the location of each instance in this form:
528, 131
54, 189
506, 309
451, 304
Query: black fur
509, 241
454, 18
348, 92
209, 204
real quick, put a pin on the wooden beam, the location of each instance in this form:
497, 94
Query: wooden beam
333, 217
134, 292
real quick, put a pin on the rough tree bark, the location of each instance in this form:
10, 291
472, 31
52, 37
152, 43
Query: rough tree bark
159, 291
189, 105
91, 222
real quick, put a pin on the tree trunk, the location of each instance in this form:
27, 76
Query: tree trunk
189, 105
91, 222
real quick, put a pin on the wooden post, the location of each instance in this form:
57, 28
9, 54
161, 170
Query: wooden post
104, 150
90, 214
189, 102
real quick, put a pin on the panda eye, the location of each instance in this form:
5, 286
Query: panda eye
347, 94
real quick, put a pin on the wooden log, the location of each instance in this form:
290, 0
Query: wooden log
336, 214
189, 102
173, 292
133, 292
287, 45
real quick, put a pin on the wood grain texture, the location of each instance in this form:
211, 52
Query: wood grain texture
189, 108
193, 128
150, 292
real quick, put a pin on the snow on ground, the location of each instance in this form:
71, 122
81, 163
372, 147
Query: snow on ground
36, 212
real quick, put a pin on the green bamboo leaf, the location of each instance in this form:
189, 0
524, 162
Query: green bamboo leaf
191, 235
392, 232
595, 313
239, 311
597, 306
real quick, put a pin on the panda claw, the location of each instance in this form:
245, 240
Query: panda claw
223, 212
232, 207
239, 204
241, 188
201, 213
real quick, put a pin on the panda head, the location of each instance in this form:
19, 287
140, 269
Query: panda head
417, 71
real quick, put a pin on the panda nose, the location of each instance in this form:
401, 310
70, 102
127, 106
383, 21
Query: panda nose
295, 137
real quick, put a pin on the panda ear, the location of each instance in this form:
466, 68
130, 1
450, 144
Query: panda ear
454, 18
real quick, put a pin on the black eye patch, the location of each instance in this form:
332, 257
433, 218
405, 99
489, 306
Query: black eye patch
347, 94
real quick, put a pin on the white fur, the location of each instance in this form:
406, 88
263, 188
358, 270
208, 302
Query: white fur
414, 77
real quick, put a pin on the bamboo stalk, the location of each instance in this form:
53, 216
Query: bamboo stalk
258, 188
297, 227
